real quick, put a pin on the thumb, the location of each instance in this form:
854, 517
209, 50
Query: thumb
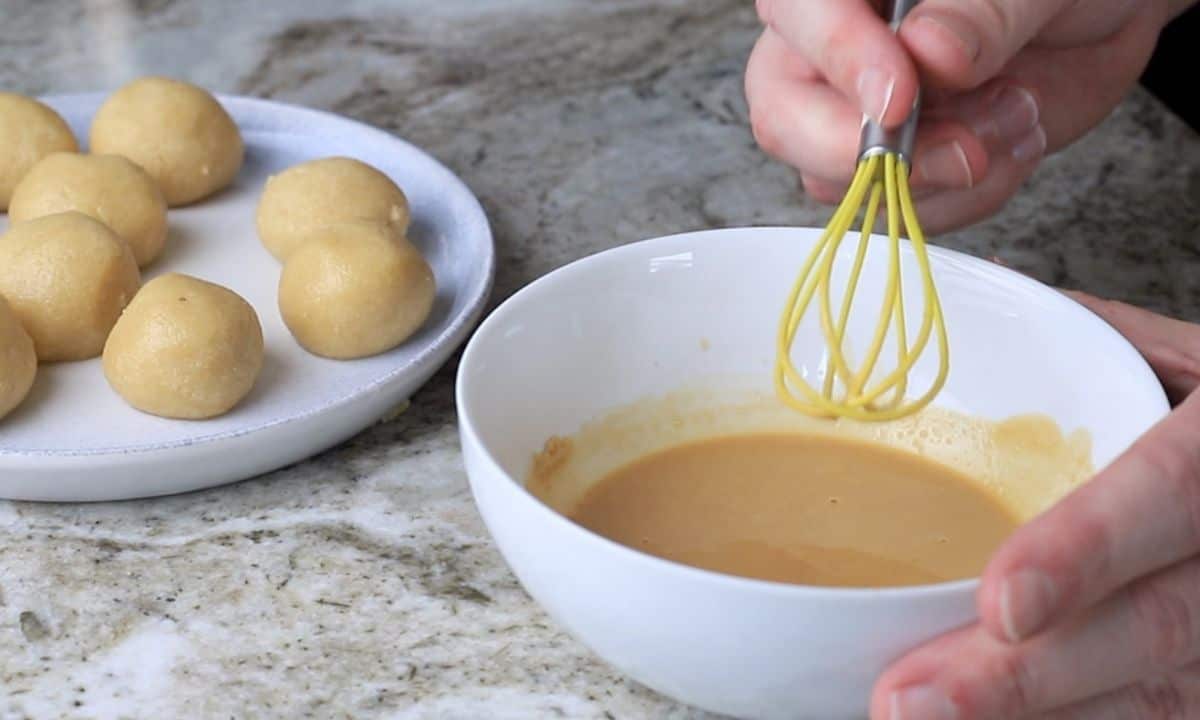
963, 43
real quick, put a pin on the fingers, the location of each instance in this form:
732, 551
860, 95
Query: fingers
962, 43
825, 191
1004, 115
1140, 514
1170, 346
853, 48
796, 117
948, 210
1046, 99
947, 156
1150, 630
1173, 696
812, 75
799, 119
1096, 20
1071, 98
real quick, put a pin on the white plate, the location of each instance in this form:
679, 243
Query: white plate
75, 439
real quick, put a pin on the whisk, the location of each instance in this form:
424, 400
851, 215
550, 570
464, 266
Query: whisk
881, 179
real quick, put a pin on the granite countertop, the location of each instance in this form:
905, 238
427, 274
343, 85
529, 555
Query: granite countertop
362, 583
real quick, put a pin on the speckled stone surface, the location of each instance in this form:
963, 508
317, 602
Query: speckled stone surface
362, 583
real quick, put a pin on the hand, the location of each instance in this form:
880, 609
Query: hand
1092, 610
1003, 83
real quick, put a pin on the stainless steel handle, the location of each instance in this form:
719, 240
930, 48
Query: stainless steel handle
894, 11
875, 140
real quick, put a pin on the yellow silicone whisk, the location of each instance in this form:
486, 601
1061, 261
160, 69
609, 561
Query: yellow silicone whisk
870, 391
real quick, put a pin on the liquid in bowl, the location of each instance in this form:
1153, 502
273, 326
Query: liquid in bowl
810, 502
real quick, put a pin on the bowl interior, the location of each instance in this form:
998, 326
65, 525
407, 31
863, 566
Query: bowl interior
648, 318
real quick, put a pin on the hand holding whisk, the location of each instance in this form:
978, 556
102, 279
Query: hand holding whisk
881, 180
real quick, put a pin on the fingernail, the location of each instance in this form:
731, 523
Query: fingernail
952, 30
1013, 113
1026, 600
945, 166
875, 89
923, 702
1033, 145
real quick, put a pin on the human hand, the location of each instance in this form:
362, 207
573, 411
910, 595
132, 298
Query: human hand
1092, 610
1003, 83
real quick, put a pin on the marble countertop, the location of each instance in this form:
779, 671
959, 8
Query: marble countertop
362, 583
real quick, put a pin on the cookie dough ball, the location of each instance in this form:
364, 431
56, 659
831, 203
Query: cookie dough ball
109, 188
184, 348
307, 197
67, 277
31, 131
355, 290
18, 361
178, 132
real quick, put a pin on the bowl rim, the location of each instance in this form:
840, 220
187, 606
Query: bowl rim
470, 434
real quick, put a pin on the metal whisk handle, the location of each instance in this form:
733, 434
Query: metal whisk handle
875, 140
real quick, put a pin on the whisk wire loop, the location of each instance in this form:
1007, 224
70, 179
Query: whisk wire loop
882, 180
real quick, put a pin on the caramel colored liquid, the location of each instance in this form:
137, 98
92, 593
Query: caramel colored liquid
805, 509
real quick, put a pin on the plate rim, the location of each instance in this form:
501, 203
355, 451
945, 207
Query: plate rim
436, 352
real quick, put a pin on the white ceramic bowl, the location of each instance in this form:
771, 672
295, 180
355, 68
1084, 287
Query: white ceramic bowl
646, 318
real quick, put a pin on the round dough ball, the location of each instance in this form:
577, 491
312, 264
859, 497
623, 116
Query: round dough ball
178, 132
18, 360
184, 348
67, 277
110, 188
31, 131
355, 290
307, 197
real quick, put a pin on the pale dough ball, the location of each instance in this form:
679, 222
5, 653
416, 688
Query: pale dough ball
178, 132
355, 290
184, 348
31, 131
18, 360
307, 197
110, 188
67, 277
